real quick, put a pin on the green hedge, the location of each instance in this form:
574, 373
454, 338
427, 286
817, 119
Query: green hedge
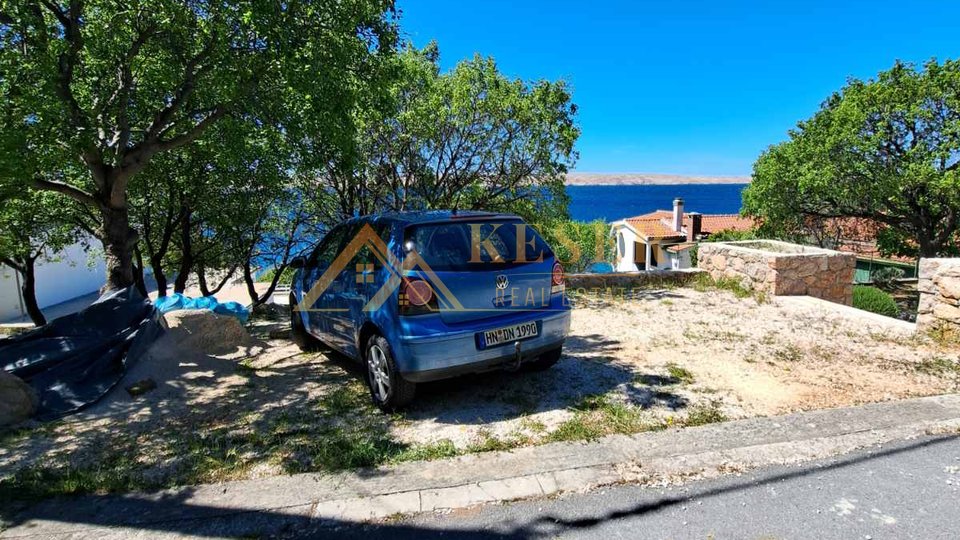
875, 300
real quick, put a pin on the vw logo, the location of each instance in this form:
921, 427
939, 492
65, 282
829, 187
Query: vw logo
502, 282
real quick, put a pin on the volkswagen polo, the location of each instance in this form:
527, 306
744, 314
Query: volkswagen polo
423, 296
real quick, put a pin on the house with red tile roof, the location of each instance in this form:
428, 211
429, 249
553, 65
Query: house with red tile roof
661, 240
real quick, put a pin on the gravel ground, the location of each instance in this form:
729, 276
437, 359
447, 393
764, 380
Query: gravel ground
665, 357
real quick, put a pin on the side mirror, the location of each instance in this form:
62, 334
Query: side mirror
298, 262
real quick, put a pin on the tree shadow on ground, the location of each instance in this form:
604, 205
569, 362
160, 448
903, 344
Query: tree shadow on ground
172, 513
212, 419
588, 367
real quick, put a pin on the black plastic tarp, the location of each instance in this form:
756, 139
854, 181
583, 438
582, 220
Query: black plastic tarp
75, 360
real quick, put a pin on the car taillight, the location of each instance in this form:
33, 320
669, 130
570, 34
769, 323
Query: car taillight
416, 297
557, 278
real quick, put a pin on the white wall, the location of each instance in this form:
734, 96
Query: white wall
64, 278
625, 239
9, 294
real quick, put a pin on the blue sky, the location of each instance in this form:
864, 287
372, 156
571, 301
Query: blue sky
681, 86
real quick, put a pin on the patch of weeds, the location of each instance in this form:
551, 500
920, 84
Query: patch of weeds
704, 283
680, 373
116, 470
701, 415
789, 353
938, 367
667, 302
424, 452
245, 368
598, 415
944, 336
536, 426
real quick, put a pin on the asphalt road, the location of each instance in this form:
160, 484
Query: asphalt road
907, 490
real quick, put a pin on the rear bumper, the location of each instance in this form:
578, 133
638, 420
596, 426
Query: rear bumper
429, 358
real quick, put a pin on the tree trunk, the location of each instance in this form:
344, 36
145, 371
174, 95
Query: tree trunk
118, 239
205, 286
186, 254
202, 280
255, 299
138, 274
156, 263
29, 290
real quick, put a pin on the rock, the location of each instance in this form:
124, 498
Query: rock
279, 333
949, 286
273, 312
947, 312
141, 387
18, 401
206, 332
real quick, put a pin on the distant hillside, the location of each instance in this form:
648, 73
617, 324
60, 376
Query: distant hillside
623, 179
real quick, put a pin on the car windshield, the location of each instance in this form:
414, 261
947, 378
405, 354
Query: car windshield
450, 246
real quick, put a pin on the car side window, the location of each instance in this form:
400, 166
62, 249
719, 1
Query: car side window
329, 248
365, 256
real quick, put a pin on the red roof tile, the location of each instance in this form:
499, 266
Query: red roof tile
653, 228
659, 224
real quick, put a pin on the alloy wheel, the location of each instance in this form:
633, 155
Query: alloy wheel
379, 372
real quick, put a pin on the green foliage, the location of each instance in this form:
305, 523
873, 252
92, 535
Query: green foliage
286, 277
874, 300
883, 149
731, 235
704, 283
727, 235
470, 138
96, 90
578, 244
680, 373
702, 415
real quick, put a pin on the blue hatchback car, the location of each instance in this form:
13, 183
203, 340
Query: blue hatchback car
423, 296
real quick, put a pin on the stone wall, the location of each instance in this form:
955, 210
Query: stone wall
629, 280
939, 286
781, 268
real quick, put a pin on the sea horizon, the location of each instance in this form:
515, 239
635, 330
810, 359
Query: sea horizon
619, 201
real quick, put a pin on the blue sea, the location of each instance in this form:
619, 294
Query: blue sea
611, 203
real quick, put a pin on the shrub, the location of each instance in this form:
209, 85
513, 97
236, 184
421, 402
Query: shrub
286, 278
578, 243
874, 300
886, 276
726, 235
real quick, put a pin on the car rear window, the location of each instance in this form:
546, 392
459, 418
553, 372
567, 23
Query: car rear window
449, 246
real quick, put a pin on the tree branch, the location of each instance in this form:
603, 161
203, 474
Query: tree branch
74, 193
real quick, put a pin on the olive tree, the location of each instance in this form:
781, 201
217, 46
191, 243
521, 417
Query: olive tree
886, 150
109, 85
470, 138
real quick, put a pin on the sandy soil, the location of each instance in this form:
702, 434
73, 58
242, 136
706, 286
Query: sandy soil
663, 352
745, 358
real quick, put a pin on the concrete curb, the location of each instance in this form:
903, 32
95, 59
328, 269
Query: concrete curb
501, 476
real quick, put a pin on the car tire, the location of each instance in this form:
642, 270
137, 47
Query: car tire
388, 390
545, 361
298, 333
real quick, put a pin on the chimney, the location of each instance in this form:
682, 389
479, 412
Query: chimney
678, 214
696, 226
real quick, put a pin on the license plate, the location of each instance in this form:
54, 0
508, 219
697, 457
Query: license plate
508, 334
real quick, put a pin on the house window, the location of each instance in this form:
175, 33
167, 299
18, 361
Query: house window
621, 245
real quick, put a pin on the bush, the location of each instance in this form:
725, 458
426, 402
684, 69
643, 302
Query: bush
874, 300
726, 235
578, 244
286, 278
886, 276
